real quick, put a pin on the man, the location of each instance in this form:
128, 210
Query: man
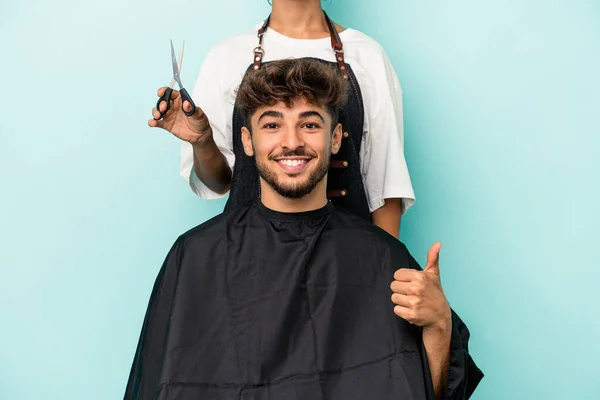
288, 297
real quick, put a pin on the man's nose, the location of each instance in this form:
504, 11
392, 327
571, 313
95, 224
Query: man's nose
291, 139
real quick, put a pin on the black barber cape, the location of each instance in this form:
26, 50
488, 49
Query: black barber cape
256, 304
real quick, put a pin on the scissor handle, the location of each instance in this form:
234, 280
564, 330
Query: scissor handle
166, 98
185, 96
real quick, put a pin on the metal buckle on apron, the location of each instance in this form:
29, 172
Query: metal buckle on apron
258, 55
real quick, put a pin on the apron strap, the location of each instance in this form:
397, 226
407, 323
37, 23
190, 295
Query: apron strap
336, 45
258, 50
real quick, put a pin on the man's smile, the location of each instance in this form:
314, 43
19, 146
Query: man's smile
293, 164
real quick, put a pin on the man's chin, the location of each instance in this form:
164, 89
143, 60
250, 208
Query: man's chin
293, 192
292, 184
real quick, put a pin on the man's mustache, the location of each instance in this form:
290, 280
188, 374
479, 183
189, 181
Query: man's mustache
299, 152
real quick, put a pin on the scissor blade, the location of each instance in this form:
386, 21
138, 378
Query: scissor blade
175, 66
180, 57
174, 61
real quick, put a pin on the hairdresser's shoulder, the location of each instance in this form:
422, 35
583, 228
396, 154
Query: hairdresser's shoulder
355, 40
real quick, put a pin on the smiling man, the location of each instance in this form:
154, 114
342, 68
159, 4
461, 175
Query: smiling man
288, 297
296, 133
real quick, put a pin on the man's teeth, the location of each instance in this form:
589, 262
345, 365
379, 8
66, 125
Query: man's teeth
293, 163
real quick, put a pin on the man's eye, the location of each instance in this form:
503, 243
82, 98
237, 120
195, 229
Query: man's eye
270, 126
311, 126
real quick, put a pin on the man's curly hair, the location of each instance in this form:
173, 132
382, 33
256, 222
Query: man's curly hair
289, 81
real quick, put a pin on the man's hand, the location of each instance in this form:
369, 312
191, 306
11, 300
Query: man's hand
194, 129
420, 300
418, 295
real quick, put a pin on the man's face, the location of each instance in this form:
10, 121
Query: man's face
292, 146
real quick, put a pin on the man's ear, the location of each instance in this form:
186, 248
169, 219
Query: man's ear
247, 142
336, 139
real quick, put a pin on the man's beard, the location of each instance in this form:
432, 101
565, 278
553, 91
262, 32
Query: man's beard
295, 190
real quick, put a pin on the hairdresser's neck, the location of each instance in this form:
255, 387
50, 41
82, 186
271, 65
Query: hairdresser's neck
300, 19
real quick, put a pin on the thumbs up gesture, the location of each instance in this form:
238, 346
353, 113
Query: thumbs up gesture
418, 295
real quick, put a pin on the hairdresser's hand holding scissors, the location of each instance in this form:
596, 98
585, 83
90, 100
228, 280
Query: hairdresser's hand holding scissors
175, 110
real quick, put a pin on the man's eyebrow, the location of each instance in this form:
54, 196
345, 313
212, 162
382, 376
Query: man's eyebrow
307, 114
268, 113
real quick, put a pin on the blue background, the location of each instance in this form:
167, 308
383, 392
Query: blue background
501, 113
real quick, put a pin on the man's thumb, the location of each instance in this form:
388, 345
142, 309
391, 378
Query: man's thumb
433, 259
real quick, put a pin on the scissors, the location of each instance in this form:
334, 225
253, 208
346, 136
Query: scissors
184, 94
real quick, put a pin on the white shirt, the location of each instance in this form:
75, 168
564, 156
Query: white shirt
383, 166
